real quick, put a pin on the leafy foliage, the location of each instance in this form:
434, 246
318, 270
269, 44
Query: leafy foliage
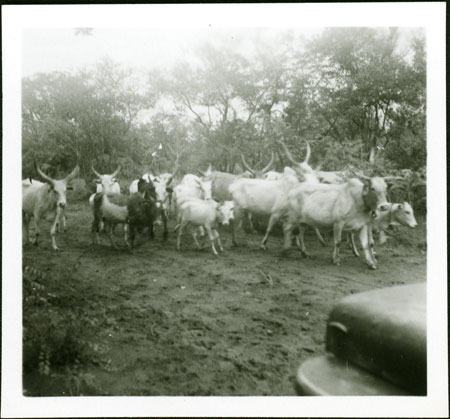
356, 94
56, 343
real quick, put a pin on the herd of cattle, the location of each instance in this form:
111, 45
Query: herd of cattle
299, 196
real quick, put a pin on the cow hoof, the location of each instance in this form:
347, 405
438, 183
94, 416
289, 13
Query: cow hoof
263, 247
373, 267
305, 255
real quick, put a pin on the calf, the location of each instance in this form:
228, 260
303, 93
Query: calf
162, 184
387, 215
206, 213
135, 212
41, 200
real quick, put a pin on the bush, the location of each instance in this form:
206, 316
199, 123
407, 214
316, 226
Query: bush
55, 344
81, 191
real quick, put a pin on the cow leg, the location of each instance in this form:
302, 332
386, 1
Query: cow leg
216, 235
383, 238
95, 229
37, 230
194, 236
371, 243
25, 226
132, 234
272, 220
110, 234
364, 238
164, 219
297, 241
211, 238
351, 239
287, 230
236, 223
251, 226
180, 232
319, 236
64, 221
301, 237
53, 230
337, 234
125, 234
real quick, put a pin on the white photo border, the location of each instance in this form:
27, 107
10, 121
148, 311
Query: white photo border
429, 16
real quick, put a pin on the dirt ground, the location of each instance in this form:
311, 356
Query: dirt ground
189, 323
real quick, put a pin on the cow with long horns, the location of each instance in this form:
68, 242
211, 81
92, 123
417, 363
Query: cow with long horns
45, 200
348, 206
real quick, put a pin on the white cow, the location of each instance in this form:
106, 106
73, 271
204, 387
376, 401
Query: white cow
105, 183
262, 197
205, 213
344, 207
388, 214
47, 199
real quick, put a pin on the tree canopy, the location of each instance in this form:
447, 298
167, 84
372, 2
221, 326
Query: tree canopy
356, 94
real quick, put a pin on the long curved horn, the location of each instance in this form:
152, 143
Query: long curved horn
75, 171
116, 172
288, 153
308, 152
43, 175
96, 173
246, 165
272, 158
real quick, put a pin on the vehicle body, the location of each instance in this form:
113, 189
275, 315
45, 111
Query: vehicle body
375, 345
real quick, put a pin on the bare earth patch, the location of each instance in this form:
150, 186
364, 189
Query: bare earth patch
163, 322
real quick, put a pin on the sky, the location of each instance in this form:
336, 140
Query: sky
45, 50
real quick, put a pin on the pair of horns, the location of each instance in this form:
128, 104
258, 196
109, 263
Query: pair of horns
66, 180
291, 158
99, 175
264, 170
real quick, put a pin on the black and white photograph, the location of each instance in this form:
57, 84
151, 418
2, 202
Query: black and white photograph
226, 210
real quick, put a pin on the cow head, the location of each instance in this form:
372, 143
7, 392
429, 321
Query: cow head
58, 187
206, 188
399, 214
374, 192
107, 181
226, 212
163, 188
